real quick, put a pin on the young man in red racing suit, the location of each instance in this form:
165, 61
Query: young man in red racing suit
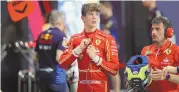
95, 51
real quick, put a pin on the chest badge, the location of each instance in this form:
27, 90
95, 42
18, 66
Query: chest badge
148, 52
168, 51
98, 41
46, 36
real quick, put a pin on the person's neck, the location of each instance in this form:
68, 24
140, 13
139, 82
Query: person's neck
90, 30
152, 7
58, 28
160, 44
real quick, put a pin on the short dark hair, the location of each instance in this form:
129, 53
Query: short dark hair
89, 7
161, 19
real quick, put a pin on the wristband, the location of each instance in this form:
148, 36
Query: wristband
77, 51
167, 76
177, 69
96, 59
74, 53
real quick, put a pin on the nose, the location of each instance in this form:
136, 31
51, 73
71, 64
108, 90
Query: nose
153, 32
94, 16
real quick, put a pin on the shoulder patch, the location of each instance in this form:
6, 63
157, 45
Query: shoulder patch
146, 50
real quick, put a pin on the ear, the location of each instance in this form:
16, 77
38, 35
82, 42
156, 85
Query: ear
82, 17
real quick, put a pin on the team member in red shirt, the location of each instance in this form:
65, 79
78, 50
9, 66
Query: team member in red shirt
95, 51
161, 53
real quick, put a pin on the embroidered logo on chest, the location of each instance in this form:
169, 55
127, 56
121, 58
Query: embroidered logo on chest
166, 60
98, 41
148, 52
167, 51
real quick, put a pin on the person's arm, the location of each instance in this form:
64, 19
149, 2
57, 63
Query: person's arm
177, 56
60, 46
68, 57
174, 78
111, 65
111, 62
169, 69
116, 82
58, 54
172, 71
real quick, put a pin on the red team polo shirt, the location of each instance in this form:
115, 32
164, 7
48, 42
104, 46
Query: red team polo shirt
167, 55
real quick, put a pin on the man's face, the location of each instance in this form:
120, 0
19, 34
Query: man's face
91, 18
148, 3
158, 32
103, 10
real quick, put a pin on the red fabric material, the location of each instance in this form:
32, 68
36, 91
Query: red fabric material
47, 6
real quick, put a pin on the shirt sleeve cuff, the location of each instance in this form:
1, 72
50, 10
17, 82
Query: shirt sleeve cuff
100, 61
74, 53
97, 60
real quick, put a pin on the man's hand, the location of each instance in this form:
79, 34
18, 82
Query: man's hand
69, 73
84, 43
157, 74
91, 51
92, 54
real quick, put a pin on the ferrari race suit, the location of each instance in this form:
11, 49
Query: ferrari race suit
93, 77
167, 55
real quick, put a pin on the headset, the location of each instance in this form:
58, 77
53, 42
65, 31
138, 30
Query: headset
169, 31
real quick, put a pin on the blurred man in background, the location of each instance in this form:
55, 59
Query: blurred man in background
95, 51
52, 77
161, 53
153, 12
108, 21
152, 8
109, 26
72, 71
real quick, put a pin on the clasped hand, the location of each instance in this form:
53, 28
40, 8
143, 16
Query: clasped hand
90, 48
157, 74
160, 74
